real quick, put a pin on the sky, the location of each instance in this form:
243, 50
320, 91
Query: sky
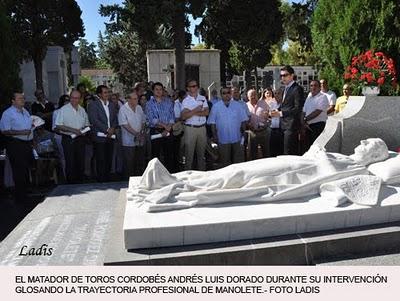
94, 22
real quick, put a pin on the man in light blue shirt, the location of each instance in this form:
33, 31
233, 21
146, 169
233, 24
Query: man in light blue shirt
16, 124
228, 122
161, 117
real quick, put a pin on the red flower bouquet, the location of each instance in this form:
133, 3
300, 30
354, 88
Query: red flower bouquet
372, 69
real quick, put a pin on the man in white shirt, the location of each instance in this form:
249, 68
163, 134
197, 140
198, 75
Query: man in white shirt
71, 119
132, 119
330, 94
194, 112
315, 112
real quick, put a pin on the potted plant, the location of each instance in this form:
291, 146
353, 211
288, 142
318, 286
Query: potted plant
372, 73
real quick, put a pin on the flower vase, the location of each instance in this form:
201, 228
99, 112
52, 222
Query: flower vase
370, 90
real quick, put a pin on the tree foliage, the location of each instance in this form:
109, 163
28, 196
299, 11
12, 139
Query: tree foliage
43, 23
87, 54
297, 23
351, 29
295, 46
244, 31
9, 59
293, 54
168, 27
90, 86
127, 58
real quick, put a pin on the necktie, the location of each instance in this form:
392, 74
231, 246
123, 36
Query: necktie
284, 93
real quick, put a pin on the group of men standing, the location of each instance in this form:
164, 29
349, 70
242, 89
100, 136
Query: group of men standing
187, 127
236, 125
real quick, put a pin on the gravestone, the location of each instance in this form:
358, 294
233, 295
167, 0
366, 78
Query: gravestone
363, 117
75, 221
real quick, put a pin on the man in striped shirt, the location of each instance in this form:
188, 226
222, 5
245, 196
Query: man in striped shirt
161, 117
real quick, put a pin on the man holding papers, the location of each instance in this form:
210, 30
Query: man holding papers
104, 120
16, 125
72, 122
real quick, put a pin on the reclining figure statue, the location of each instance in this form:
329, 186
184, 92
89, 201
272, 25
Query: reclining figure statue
264, 180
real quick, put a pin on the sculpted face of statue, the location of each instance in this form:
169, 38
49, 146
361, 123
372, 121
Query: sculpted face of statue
370, 151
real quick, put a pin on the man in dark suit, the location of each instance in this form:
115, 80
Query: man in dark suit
103, 119
43, 108
290, 111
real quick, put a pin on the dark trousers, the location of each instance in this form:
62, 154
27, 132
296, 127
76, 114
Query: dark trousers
103, 152
133, 160
231, 153
177, 151
276, 142
20, 155
290, 142
315, 129
257, 138
74, 153
164, 146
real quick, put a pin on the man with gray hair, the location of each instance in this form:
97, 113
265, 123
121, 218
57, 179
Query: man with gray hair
259, 131
72, 121
132, 119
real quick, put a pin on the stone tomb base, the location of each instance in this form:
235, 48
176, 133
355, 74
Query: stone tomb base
245, 221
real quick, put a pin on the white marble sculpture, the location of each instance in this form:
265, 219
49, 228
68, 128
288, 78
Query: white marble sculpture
264, 180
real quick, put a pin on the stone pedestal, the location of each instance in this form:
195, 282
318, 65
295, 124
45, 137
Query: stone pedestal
363, 117
251, 220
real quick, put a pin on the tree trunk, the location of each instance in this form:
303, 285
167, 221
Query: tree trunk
178, 28
256, 80
223, 66
38, 63
247, 79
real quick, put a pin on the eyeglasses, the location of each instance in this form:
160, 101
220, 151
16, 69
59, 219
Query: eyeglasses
193, 86
285, 74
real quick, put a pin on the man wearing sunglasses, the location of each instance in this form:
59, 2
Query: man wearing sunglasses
290, 111
194, 113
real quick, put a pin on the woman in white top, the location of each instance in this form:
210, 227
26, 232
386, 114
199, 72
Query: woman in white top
276, 137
